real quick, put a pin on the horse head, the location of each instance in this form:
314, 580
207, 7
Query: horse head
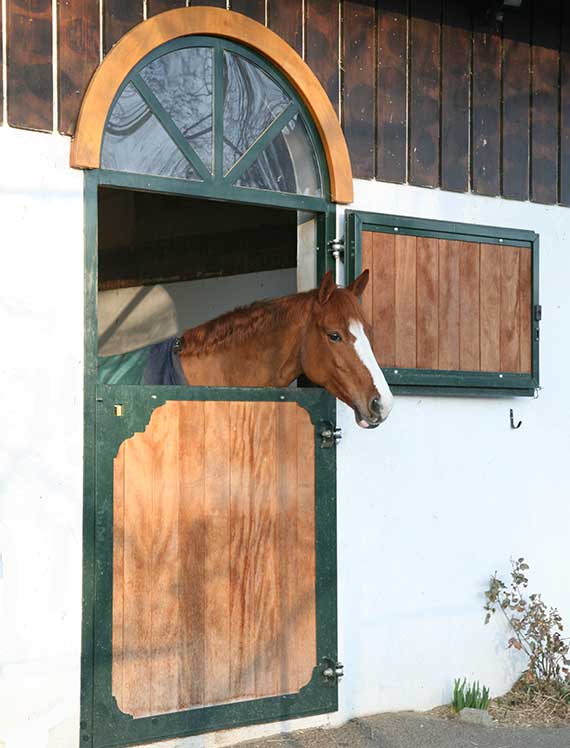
336, 352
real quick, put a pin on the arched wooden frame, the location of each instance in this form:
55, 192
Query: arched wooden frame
142, 39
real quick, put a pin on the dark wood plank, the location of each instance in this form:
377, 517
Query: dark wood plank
253, 8
448, 337
405, 283
391, 97
455, 82
154, 7
359, 65
564, 161
1, 74
516, 103
545, 80
383, 290
119, 16
486, 104
427, 301
213, 3
78, 56
469, 307
424, 92
490, 296
321, 47
29, 60
510, 317
286, 19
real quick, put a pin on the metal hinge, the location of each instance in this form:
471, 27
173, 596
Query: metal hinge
330, 436
332, 670
537, 312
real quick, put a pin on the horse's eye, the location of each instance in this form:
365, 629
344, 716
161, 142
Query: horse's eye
335, 337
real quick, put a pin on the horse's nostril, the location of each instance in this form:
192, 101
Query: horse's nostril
375, 405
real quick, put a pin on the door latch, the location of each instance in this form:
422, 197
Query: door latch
330, 436
332, 670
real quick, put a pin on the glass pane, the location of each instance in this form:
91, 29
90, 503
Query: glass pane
183, 83
252, 100
135, 141
288, 164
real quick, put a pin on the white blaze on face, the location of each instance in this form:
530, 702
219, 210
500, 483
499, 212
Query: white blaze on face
366, 355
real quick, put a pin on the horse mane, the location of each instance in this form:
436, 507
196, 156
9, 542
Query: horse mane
240, 324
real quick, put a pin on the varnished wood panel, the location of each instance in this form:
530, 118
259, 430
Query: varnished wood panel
516, 103
486, 103
322, 29
490, 295
427, 300
253, 8
119, 16
214, 549
159, 6
448, 305
424, 92
455, 69
286, 19
29, 64
78, 55
359, 64
448, 275
405, 251
469, 306
545, 94
391, 96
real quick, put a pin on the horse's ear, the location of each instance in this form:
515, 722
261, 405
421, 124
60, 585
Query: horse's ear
326, 287
359, 284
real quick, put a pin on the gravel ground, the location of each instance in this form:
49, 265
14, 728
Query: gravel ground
413, 730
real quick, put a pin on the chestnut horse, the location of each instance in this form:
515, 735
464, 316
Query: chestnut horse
321, 334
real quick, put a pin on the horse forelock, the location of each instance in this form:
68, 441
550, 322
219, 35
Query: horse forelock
240, 324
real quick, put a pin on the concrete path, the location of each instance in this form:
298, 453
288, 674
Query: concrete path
412, 730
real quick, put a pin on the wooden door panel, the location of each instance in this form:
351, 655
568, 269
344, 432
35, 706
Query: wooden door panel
214, 556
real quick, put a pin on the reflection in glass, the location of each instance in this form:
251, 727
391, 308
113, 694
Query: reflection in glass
183, 83
288, 164
135, 141
252, 100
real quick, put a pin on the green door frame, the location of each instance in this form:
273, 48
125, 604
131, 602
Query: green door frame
102, 723
451, 383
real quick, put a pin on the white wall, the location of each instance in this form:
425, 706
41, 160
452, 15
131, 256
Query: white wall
41, 450
429, 504
445, 492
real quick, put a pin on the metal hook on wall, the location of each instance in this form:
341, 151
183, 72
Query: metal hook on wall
519, 424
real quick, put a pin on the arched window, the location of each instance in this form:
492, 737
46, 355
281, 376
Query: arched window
205, 109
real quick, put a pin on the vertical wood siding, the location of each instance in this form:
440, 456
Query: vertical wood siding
448, 305
430, 92
214, 556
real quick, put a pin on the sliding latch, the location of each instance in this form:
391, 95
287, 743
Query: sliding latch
330, 436
332, 670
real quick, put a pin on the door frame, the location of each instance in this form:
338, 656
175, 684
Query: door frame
98, 727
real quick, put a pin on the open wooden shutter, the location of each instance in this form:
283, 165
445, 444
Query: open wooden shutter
451, 306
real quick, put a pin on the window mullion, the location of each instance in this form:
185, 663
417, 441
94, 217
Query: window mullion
261, 144
167, 122
218, 113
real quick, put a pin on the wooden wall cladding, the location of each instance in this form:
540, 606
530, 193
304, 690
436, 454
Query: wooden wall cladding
448, 305
430, 92
214, 556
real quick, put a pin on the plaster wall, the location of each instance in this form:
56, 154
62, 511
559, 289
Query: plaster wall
429, 504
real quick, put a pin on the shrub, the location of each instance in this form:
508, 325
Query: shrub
537, 630
471, 697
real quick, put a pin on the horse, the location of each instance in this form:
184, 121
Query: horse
321, 334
